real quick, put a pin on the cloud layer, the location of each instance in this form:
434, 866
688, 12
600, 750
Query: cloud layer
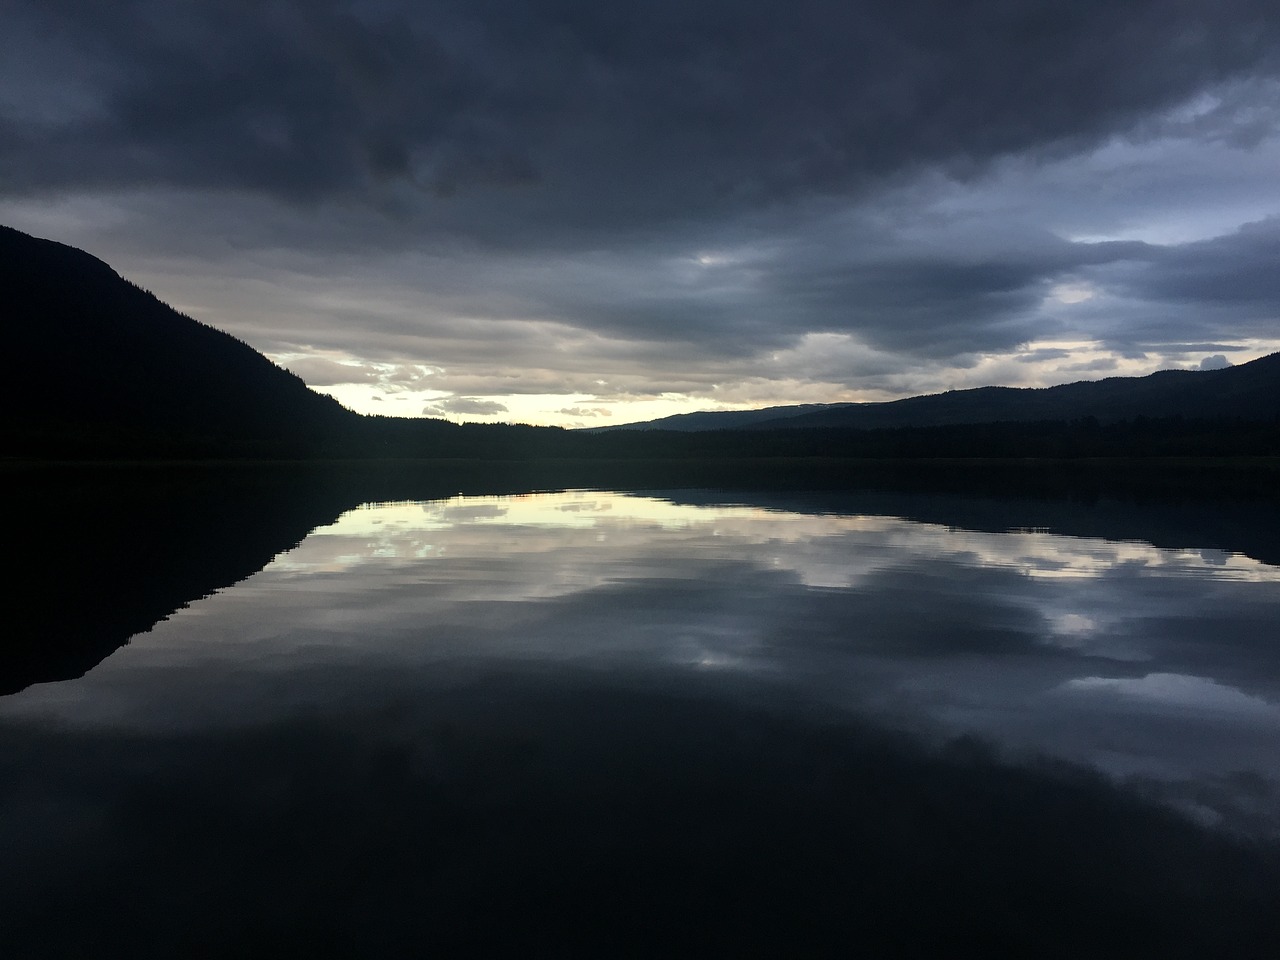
599, 203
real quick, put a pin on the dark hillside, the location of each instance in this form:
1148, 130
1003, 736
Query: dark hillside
100, 366
722, 419
1250, 391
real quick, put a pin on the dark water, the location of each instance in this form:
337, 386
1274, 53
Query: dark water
609, 723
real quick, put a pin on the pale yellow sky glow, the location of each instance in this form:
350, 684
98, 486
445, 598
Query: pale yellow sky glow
1064, 361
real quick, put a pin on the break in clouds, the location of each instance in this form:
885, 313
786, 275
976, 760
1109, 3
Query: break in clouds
520, 210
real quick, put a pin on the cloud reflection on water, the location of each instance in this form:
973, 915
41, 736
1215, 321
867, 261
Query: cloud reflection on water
582, 693
940, 630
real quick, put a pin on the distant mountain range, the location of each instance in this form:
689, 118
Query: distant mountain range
1250, 391
101, 369
724, 419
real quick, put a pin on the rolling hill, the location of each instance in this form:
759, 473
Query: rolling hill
1248, 392
723, 419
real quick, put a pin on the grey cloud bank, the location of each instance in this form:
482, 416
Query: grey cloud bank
518, 210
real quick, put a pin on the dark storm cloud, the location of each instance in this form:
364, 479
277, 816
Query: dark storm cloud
1240, 269
741, 200
1189, 297
980, 285
934, 300
952, 298
589, 114
970, 290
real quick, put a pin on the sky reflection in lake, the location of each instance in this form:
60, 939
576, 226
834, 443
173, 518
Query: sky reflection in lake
1160, 667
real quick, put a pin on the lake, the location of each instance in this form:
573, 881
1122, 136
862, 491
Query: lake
642, 722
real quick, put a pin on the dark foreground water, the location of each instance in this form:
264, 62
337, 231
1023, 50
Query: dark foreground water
610, 724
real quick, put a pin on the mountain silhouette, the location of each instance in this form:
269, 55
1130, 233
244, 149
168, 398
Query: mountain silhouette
1248, 392
101, 366
767, 417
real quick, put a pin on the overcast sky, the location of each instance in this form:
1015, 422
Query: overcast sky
571, 211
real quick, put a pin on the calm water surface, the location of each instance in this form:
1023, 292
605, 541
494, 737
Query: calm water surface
635, 705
